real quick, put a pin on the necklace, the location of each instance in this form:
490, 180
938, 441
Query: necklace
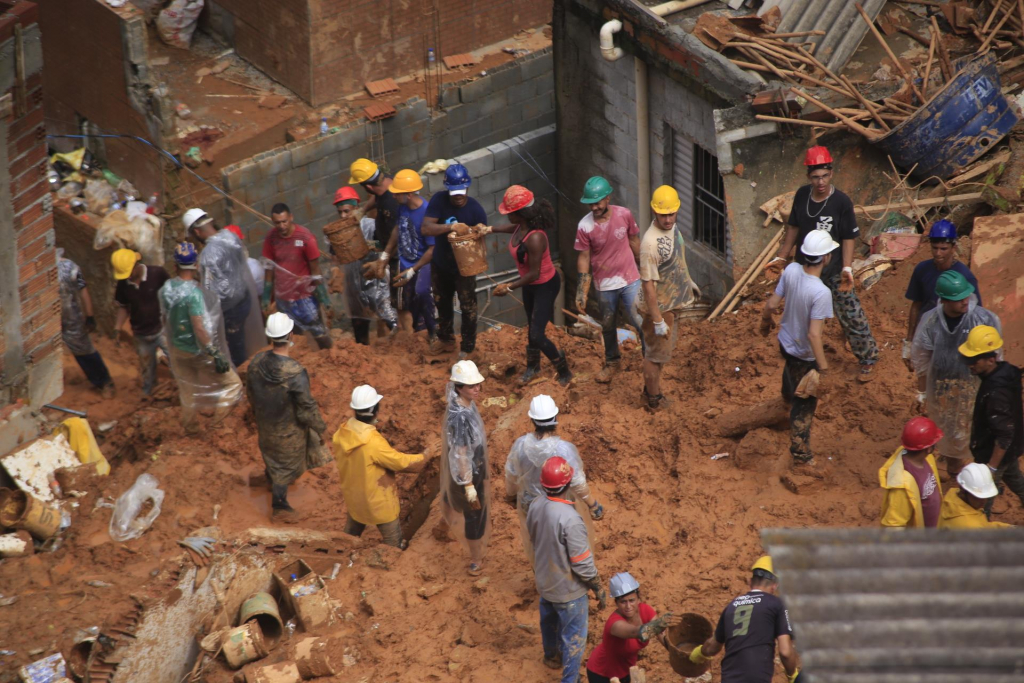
832, 189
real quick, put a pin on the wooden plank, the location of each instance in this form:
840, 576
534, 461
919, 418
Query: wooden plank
966, 199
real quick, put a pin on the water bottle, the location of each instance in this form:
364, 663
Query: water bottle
151, 209
430, 56
324, 128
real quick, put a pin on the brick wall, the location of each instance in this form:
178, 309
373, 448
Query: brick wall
514, 99
96, 70
30, 345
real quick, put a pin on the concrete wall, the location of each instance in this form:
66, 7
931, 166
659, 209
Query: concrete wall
30, 345
324, 49
97, 71
511, 100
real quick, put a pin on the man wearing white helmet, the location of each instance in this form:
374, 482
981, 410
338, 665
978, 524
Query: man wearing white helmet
367, 465
288, 418
628, 630
224, 270
962, 508
808, 304
527, 457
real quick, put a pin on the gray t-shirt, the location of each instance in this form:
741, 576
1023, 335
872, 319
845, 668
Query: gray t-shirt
807, 298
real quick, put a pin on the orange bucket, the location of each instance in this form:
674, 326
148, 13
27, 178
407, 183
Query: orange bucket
470, 254
347, 239
694, 630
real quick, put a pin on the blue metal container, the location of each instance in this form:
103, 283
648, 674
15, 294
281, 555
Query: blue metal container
957, 125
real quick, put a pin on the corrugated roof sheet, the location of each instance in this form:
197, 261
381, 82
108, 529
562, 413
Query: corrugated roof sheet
888, 606
843, 26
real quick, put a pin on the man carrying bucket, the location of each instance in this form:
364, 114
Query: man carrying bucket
446, 210
749, 629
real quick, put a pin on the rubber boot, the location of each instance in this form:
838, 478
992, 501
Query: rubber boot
562, 366
532, 365
324, 342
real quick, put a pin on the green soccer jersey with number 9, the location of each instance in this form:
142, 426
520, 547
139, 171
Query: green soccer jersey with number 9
748, 627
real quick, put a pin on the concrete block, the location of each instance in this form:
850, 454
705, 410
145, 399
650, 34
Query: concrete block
241, 175
272, 165
489, 201
306, 152
495, 182
478, 163
463, 114
550, 118
523, 91
476, 90
450, 97
534, 107
544, 83
262, 191
501, 153
475, 131
521, 174
435, 182
536, 65
292, 178
410, 114
414, 133
494, 102
504, 78
506, 117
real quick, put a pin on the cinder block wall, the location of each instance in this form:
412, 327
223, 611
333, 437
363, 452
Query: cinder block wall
30, 344
514, 99
324, 49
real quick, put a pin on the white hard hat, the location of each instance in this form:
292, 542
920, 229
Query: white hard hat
194, 217
976, 479
818, 243
622, 584
279, 325
542, 408
465, 372
364, 397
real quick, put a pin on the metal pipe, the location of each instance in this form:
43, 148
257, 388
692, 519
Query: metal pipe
608, 49
643, 142
79, 413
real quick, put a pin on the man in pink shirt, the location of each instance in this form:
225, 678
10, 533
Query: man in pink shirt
608, 242
295, 282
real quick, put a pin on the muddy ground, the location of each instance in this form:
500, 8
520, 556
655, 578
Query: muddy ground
685, 525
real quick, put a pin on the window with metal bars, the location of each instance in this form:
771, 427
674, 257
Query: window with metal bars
708, 200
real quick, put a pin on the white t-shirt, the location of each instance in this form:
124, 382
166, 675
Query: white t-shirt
807, 298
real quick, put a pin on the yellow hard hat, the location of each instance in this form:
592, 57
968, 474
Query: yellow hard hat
124, 261
764, 562
361, 170
981, 339
665, 200
406, 180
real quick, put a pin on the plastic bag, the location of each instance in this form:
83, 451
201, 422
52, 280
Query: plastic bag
141, 233
99, 195
177, 22
125, 523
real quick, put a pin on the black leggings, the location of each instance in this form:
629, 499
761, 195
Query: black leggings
539, 301
598, 678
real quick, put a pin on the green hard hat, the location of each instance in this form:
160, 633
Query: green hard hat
953, 286
596, 189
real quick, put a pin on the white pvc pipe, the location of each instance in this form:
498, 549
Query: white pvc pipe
608, 49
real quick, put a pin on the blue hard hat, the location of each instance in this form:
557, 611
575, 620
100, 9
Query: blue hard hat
456, 177
942, 230
623, 584
185, 254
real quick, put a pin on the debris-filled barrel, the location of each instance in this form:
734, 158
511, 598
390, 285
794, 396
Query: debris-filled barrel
958, 124
347, 240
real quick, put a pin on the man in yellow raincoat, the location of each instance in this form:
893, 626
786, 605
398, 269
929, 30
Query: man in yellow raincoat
962, 507
910, 479
367, 465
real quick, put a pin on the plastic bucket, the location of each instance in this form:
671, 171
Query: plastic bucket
263, 608
244, 644
470, 254
313, 659
694, 630
21, 511
347, 240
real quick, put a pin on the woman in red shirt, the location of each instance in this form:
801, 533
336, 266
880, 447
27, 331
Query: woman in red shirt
627, 631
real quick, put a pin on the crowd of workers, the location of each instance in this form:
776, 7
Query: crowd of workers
208, 320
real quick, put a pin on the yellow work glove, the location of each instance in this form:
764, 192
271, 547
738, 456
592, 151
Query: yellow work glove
697, 656
793, 677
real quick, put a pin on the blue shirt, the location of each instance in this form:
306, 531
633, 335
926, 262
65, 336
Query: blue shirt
441, 209
921, 288
411, 242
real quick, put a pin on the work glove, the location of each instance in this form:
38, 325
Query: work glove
697, 656
661, 328
582, 291
602, 598
479, 230
503, 289
90, 324
596, 511
908, 346
654, 627
474, 502
775, 267
795, 676
268, 292
404, 278
201, 546
320, 293
220, 364
846, 281
767, 325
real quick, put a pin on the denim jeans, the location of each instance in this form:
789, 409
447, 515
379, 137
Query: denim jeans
234, 329
609, 303
95, 369
146, 348
563, 632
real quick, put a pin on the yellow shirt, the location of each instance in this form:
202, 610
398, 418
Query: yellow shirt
956, 514
366, 465
901, 506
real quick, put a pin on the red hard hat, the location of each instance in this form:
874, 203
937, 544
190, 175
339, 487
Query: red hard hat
556, 473
920, 434
344, 193
817, 156
236, 231
516, 197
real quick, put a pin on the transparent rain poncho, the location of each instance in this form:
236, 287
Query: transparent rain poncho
368, 299
224, 270
199, 384
951, 387
464, 461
